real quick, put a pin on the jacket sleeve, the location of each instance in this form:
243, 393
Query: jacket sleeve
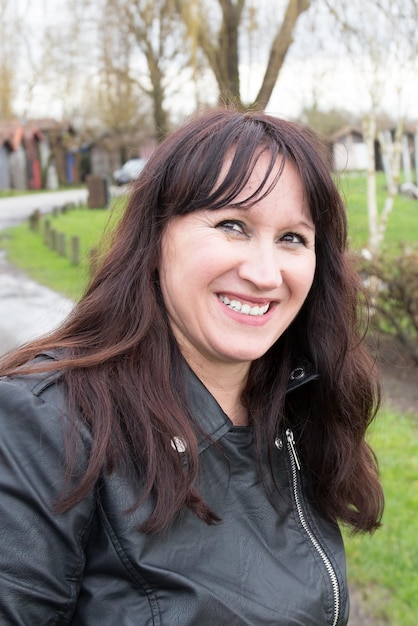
41, 553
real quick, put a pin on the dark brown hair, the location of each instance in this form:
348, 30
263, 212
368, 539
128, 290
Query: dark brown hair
121, 364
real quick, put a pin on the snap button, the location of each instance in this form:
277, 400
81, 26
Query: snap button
178, 444
278, 443
297, 374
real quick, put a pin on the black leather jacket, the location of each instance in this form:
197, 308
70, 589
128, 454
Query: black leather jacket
266, 563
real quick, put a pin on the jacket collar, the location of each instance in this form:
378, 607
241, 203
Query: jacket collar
213, 421
209, 415
303, 372
206, 411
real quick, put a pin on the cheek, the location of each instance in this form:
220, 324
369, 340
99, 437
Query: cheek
302, 276
310, 276
182, 271
166, 271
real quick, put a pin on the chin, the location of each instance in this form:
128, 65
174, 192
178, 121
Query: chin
246, 357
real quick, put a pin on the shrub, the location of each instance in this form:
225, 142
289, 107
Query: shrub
392, 280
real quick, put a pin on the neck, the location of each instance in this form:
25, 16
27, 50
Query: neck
226, 384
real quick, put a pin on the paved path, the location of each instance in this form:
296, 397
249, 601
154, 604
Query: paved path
28, 309
18, 208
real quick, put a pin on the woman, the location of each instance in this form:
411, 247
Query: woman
180, 451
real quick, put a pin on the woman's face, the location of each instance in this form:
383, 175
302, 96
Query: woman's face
233, 279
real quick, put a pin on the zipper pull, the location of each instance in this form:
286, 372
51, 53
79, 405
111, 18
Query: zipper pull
291, 442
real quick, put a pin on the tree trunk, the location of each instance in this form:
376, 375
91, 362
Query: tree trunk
394, 154
221, 50
369, 129
157, 94
228, 61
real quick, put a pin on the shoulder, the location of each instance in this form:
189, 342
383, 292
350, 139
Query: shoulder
30, 395
34, 415
42, 550
44, 386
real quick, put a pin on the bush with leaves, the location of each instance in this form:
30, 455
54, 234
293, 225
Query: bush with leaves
392, 281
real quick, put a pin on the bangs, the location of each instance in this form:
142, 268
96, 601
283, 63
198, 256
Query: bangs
235, 175
217, 168
207, 164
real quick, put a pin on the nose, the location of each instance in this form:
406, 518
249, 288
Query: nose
261, 266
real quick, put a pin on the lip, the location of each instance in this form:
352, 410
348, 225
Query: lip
251, 300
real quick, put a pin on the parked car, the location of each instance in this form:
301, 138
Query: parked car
129, 171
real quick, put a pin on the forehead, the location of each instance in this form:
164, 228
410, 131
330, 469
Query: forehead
276, 179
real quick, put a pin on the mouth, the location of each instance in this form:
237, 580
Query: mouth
256, 310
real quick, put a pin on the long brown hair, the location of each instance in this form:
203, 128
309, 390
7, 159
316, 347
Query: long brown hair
122, 367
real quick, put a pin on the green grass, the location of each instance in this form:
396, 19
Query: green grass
402, 225
27, 250
384, 567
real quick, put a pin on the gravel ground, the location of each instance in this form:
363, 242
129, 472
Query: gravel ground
358, 612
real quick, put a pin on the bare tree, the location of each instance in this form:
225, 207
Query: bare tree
158, 46
114, 97
141, 51
155, 27
217, 28
381, 38
9, 30
35, 59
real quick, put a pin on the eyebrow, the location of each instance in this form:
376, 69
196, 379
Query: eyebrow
244, 208
306, 225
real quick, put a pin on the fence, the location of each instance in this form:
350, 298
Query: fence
57, 241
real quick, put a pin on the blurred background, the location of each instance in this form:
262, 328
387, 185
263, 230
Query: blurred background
109, 78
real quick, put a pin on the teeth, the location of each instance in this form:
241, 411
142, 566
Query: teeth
244, 309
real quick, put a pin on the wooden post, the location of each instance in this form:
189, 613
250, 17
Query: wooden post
35, 220
75, 250
47, 232
54, 239
62, 244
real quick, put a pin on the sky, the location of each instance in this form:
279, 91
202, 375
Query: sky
295, 89
339, 87
301, 81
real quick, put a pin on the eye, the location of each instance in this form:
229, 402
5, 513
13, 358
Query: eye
232, 226
294, 238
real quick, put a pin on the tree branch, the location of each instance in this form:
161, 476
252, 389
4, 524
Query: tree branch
279, 48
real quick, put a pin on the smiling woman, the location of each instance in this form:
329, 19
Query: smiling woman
203, 409
252, 268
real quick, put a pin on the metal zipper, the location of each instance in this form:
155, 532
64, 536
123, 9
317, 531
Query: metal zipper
294, 460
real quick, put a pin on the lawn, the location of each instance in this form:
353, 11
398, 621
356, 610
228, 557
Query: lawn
402, 225
384, 566
26, 249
